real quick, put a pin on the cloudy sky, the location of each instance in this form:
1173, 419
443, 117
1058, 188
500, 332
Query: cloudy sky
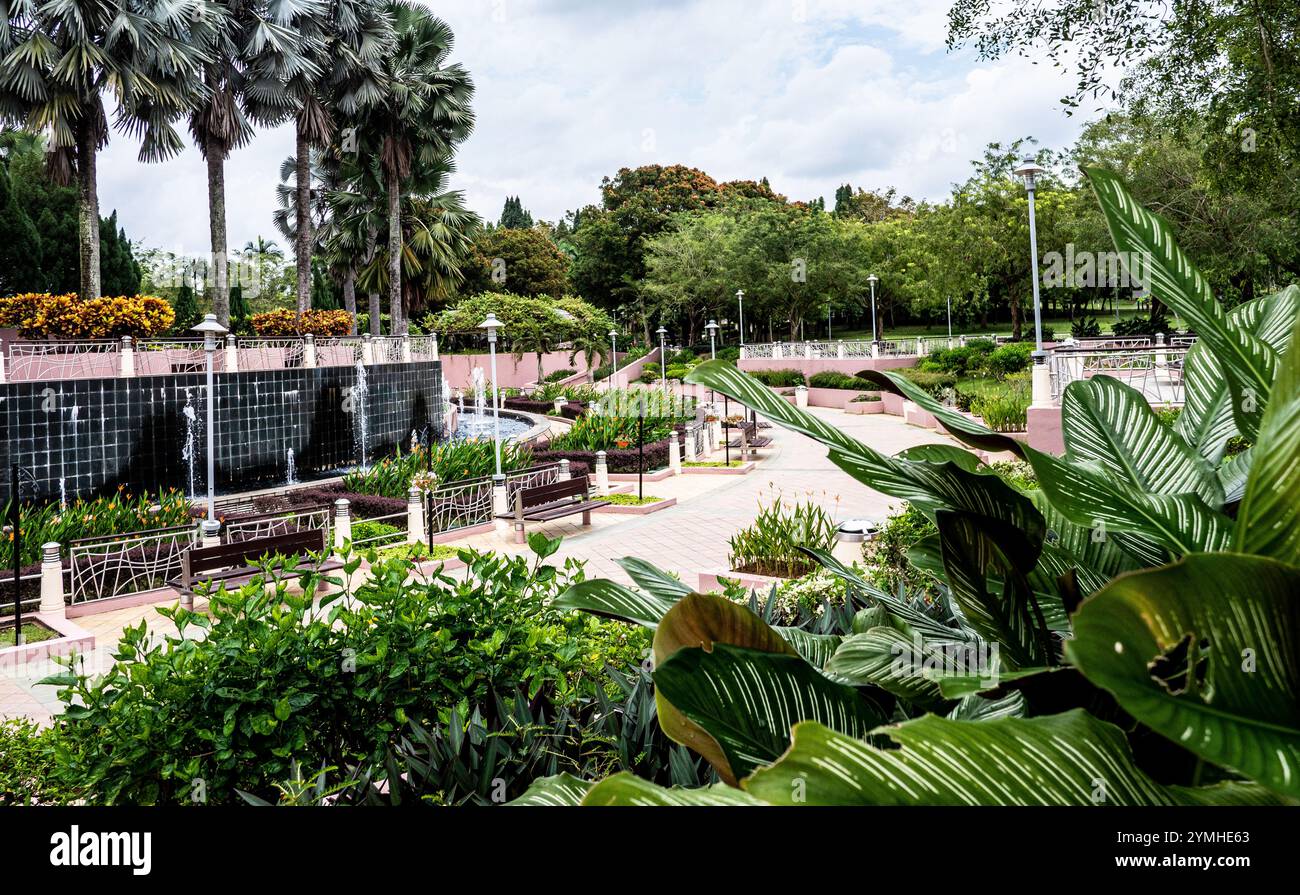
809, 93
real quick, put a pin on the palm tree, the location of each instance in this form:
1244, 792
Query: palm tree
58, 61
261, 246
424, 114
347, 41
236, 33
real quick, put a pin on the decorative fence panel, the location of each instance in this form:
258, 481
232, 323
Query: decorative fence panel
28, 361
120, 565
1157, 372
267, 525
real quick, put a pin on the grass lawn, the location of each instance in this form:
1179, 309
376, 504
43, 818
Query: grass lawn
717, 464
32, 633
631, 500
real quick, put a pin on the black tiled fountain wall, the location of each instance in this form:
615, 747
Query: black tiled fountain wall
85, 436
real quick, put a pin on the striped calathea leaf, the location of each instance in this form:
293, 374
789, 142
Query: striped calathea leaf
729, 687
930, 484
1207, 653
1067, 759
1146, 245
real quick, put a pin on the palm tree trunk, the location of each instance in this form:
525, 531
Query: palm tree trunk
376, 311
302, 249
88, 209
350, 298
217, 227
372, 239
396, 324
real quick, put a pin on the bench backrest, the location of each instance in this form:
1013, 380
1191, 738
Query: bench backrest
527, 498
242, 553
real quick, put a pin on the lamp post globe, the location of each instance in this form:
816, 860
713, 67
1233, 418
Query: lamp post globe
663, 357
713, 345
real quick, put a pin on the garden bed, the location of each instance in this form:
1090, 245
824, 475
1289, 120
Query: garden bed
65, 639
737, 467
630, 505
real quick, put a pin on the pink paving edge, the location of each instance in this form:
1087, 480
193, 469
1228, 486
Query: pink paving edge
709, 580
748, 467
657, 476
643, 510
72, 639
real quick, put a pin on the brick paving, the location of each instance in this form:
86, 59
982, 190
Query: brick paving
686, 539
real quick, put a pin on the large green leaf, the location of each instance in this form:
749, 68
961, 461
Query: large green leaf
1249, 364
629, 791
962, 427
654, 580
1207, 421
930, 486
908, 666
1238, 619
1269, 516
600, 596
1085, 494
563, 790
975, 550
923, 623
1109, 422
749, 700
1068, 759
701, 622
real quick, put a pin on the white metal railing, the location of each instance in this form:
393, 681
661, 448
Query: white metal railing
380, 539
107, 358
117, 565
97, 359
1155, 372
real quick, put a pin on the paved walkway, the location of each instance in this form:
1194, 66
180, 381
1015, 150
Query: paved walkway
687, 539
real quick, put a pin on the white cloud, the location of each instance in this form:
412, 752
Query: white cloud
809, 93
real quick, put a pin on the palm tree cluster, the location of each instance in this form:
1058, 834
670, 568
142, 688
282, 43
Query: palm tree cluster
377, 110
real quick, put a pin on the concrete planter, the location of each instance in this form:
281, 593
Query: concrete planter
915, 415
643, 510
744, 469
657, 475
893, 404
835, 398
762, 583
865, 407
16, 661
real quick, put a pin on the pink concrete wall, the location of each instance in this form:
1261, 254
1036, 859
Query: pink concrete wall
1045, 433
459, 368
849, 366
838, 398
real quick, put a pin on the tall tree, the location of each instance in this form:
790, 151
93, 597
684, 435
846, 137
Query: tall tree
342, 44
236, 32
424, 115
60, 60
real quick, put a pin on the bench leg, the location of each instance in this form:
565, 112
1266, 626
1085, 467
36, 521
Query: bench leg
519, 533
586, 518
187, 600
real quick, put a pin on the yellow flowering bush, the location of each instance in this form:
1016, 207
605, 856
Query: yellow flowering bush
284, 323
41, 315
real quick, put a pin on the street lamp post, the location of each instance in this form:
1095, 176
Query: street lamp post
949, 321
713, 347
740, 301
873, 280
492, 324
613, 366
1029, 172
663, 358
211, 329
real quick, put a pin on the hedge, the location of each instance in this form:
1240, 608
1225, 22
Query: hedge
617, 460
779, 378
40, 315
831, 379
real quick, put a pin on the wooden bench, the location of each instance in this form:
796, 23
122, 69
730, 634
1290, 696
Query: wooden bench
555, 501
235, 564
749, 439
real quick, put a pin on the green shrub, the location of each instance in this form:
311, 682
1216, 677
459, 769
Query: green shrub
453, 461
1008, 359
682, 358
560, 375
677, 371
830, 379
650, 374
935, 384
771, 545
601, 432
274, 683
1005, 409
29, 765
1085, 328
119, 513
780, 378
